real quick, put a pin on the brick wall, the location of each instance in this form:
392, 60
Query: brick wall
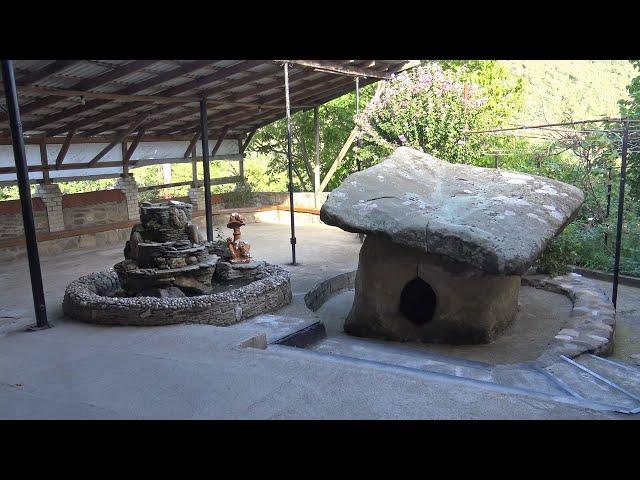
11, 218
94, 208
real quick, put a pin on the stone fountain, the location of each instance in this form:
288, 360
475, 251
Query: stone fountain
169, 275
164, 257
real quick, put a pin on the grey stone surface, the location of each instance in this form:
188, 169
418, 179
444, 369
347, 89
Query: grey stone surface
471, 306
495, 220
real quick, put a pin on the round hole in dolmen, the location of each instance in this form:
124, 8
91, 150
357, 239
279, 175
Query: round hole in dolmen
418, 301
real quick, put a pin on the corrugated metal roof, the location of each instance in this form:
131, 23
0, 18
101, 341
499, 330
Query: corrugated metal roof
259, 83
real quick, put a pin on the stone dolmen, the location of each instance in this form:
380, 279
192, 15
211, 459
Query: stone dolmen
446, 244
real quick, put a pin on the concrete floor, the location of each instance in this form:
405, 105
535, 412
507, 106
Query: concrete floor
540, 317
76, 370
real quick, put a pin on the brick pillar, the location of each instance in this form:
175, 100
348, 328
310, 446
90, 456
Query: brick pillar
196, 196
52, 198
128, 186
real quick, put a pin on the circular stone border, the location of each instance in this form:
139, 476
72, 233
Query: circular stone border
590, 328
85, 299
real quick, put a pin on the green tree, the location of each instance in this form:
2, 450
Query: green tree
426, 108
489, 80
630, 108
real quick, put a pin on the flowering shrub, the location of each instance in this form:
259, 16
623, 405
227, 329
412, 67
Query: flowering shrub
426, 108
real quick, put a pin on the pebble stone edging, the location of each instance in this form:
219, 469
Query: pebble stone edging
85, 300
591, 326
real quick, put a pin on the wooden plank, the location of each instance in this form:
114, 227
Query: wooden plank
67, 92
134, 145
219, 142
225, 101
176, 90
119, 138
103, 139
297, 98
225, 180
44, 160
65, 148
338, 160
345, 148
338, 68
164, 185
245, 144
192, 144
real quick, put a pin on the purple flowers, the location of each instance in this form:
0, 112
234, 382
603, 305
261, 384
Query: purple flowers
402, 138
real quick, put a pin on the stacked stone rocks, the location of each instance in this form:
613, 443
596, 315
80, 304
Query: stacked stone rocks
163, 257
52, 198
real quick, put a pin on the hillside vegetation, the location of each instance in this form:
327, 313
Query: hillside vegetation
555, 90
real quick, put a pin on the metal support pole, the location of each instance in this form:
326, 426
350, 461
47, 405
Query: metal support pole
290, 160
204, 134
316, 147
357, 115
22, 173
606, 234
623, 174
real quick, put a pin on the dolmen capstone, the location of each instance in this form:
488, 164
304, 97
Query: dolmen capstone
446, 244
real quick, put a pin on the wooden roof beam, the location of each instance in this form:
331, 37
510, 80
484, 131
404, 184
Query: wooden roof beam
64, 149
340, 69
131, 89
300, 96
197, 83
119, 138
86, 84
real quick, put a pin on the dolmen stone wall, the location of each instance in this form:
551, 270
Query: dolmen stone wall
446, 244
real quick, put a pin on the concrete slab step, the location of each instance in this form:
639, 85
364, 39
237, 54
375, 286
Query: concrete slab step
528, 377
623, 375
389, 353
586, 386
518, 375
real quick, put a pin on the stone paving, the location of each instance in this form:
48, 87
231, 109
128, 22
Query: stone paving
76, 370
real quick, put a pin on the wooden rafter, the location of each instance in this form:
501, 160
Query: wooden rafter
298, 97
192, 144
44, 160
133, 146
177, 90
64, 149
227, 100
131, 89
216, 147
87, 84
258, 101
347, 144
119, 138
338, 68
245, 144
